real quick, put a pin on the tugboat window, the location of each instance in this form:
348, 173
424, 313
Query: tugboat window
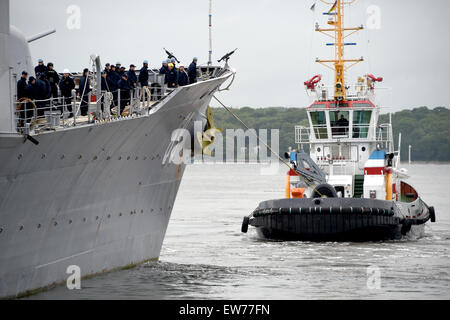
339, 123
319, 124
361, 121
319, 105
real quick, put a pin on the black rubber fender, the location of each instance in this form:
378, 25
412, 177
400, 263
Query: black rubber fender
432, 214
406, 226
244, 227
325, 190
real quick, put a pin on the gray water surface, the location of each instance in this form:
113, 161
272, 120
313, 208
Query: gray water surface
205, 256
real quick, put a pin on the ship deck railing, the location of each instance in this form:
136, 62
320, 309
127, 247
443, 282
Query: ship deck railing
345, 167
37, 116
356, 133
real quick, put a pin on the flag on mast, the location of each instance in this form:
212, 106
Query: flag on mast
333, 7
313, 7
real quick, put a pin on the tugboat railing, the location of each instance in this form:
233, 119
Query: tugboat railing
354, 92
360, 133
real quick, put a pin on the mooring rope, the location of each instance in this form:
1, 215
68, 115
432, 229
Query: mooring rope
265, 144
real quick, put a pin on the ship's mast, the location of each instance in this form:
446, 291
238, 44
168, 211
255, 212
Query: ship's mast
338, 34
210, 33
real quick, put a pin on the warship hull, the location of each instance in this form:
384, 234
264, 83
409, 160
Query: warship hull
97, 196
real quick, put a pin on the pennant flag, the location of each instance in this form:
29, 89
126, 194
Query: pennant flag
333, 7
313, 7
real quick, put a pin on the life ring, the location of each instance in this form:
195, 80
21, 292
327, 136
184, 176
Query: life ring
24, 99
19, 107
245, 222
374, 79
324, 191
311, 83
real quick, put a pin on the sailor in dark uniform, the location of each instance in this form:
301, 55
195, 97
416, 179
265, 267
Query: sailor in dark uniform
53, 78
66, 85
107, 68
43, 94
192, 71
21, 85
40, 68
164, 67
143, 74
182, 77
84, 89
112, 78
22, 92
31, 93
124, 87
132, 78
171, 80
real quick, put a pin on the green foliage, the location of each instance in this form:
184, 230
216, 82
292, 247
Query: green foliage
427, 131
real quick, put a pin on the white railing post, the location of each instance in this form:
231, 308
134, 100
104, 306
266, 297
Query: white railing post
74, 107
118, 102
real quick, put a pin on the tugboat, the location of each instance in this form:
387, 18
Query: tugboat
349, 187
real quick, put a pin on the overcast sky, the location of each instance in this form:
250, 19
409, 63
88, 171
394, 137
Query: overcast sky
275, 39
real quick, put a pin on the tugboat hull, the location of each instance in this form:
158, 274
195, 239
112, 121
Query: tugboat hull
334, 219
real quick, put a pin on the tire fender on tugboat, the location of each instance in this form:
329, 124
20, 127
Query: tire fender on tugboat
244, 227
432, 214
406, 226
324, 190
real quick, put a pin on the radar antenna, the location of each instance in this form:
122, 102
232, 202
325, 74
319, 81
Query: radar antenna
227, 56
170, 55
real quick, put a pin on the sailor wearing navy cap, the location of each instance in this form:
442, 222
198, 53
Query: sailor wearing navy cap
192, 71
84, 89
124, 87
164, 67
52, 77
21, 85
132, 78
40, 68
107, 68
143, 74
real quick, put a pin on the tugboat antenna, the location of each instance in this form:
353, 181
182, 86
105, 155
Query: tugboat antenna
337, 32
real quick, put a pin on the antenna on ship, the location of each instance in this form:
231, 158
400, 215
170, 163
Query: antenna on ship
338, 33
210, 34
170, 55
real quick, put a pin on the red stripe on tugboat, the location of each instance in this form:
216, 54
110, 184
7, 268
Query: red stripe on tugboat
374, 171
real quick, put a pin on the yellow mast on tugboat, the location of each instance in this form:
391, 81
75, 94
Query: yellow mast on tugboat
338, 33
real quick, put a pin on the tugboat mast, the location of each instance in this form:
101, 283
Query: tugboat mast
336, 20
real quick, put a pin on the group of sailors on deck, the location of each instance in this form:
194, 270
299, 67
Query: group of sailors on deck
115, 79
